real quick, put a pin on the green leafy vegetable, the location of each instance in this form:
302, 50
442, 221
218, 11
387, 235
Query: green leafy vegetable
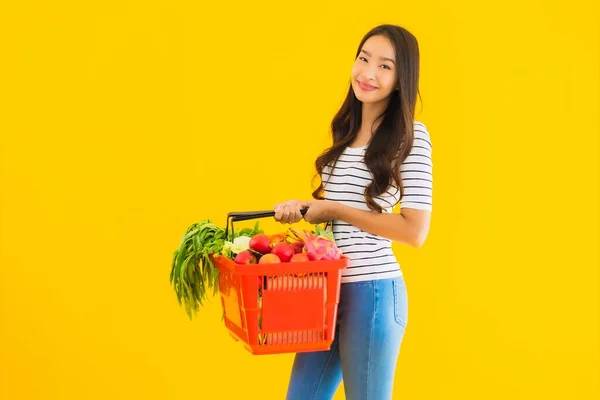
193, 271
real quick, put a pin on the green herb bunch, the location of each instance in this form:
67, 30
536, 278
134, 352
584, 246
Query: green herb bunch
193, 271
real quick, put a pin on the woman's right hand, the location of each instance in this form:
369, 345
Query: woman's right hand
288, 212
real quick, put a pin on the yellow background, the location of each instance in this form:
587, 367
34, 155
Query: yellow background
124, 122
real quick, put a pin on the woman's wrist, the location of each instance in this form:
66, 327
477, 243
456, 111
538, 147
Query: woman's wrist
335, 209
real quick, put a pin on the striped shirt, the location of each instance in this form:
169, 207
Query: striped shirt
371, 256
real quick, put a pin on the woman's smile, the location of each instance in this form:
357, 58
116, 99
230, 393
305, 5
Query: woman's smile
366, 87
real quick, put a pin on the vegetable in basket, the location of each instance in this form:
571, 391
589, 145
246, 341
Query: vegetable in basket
193, 271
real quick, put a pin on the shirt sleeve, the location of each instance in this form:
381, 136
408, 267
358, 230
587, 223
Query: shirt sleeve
416, 172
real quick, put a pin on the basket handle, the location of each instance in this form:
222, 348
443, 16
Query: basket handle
246, 215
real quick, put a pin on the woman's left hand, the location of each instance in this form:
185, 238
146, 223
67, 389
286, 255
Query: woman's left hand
319, 211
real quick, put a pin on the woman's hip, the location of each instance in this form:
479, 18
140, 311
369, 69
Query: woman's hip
382, 302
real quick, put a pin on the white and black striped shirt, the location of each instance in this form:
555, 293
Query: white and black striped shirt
371, 255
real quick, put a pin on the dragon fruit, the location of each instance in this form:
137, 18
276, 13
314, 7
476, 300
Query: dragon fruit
318, 245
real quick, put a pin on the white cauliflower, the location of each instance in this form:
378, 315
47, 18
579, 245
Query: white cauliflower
239, 244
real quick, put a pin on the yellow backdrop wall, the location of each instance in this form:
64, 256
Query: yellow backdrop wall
123, 122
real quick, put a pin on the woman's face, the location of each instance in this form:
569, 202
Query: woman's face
375, 66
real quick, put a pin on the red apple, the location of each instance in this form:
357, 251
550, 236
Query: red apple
299, 257
298, 246
284, 251
245, 257
260, 243
269, 258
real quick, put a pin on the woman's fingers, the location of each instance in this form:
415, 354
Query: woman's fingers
288, 212
282, 214
278, 213
279, 208
293, 214
286, 215
297, 213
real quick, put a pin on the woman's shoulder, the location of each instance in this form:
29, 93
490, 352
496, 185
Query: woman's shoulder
421, 132
420, 127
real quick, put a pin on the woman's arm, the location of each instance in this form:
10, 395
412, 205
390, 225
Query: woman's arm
410, 227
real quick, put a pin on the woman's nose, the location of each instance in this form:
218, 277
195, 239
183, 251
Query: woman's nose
370, 74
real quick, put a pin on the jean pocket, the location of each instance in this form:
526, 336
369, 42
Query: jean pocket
400, 303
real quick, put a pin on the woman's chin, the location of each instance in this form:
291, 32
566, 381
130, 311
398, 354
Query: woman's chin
365, 98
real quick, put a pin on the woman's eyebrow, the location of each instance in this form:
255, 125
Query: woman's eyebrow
381, 58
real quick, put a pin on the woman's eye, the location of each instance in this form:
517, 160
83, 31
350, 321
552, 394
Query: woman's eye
362, 58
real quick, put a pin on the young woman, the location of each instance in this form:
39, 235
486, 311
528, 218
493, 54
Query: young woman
380, 156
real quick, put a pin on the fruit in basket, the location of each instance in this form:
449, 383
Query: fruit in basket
277, 238
319, 245
299, 257
269, 258
261, 243
284, 251
297, 246
245, 257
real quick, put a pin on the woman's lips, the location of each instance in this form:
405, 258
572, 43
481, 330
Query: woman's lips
366, 87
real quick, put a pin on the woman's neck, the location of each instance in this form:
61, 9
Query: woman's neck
370, 113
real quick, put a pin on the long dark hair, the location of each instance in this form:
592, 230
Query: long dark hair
393, 139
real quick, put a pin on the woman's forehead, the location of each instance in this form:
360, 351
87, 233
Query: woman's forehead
380, 47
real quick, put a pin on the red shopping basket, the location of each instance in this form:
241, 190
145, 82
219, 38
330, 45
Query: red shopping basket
280, 308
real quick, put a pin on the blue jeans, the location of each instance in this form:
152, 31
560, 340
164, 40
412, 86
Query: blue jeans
372, 317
